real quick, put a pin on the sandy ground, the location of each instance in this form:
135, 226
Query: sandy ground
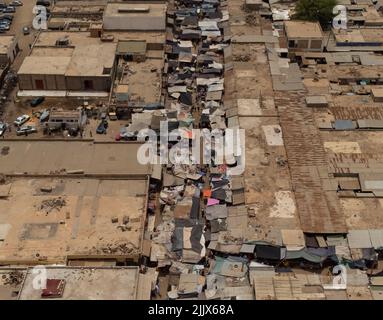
111, 133
23, 17
81, 226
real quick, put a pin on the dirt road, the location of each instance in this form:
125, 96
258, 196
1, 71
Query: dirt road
23, 17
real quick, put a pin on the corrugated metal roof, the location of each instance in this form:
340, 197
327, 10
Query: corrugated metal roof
359, 239
316, 100
376, 236
370, 124
344, 125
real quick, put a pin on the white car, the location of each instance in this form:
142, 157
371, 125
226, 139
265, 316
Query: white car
26, 130
3, 127
21, 120
16, 3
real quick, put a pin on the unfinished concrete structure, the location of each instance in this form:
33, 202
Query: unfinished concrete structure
69, 15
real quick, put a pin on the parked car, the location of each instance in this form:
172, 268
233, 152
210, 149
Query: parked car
7, 17
118, 137
101, 129
21, 120
44, 3
44, 115
9, 9
26, 31
125, 137
3, 127
15, 3
2, 30
112, 116
25, 130
4, 26
36, 101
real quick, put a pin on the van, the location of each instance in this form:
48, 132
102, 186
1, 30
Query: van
112, 116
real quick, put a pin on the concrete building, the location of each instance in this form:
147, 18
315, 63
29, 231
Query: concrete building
95, 30
126, 16
70, 120
68, 61
363, 37
87, 283
132, 50
75, 15
363, 15
304, 36
107, 175
377, 94
8, 49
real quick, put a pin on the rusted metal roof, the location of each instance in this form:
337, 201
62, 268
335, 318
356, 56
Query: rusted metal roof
319, 210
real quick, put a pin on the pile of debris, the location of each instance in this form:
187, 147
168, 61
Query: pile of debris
9, 82
251, 20
122, 247
49, 205
241, 57
13, 278
4, 150
3, 179
124, 226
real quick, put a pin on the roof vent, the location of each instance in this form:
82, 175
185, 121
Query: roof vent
141, 9
62, 42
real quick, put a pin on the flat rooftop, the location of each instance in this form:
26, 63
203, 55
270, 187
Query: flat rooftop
52, 65
87, 283
135, 9
61, 22
83, 3
5, 42
84, 56
355, 72
71, 221
11, 280
151, 37
77, 9
369, 35
39, 157
303, 29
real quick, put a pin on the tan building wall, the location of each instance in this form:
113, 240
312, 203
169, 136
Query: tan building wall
134, 23
88, 83
25, 82
314, 44
10, 55
58, 82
